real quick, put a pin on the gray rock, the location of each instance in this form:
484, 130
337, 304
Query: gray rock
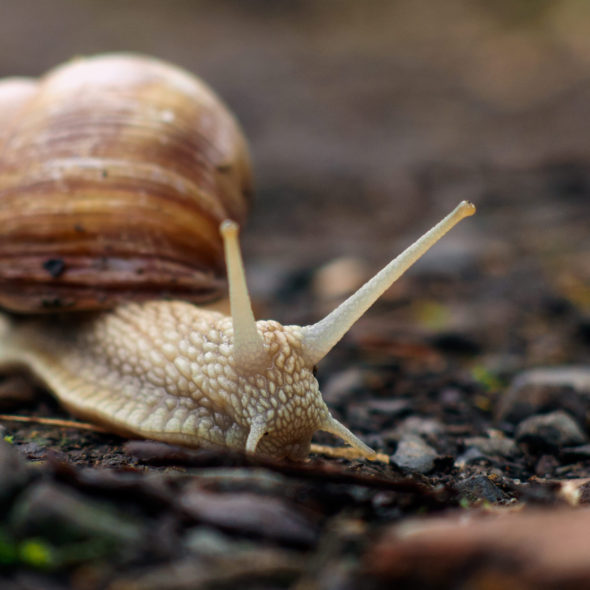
504, 447
554, 430
416, 425
471, 455
249, 514
480, 487
546, 389
413, 454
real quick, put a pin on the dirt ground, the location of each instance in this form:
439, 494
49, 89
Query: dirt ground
367, 125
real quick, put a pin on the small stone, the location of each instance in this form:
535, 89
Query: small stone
417, 425
33, 451
546, 389
250, 514
547, 431
480, 487
413, 454
470, 456
546, 465
504, 447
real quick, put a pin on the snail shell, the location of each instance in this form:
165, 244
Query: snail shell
115, 173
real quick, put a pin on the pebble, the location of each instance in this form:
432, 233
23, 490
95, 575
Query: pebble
504, 447
480, 487
413, 454
545, 389
546, 465
416, 425
554, 430
249, 514
470, 456
492, 449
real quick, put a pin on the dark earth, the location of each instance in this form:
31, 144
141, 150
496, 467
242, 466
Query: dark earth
367, 125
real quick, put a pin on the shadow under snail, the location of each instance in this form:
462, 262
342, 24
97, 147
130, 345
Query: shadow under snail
122, 183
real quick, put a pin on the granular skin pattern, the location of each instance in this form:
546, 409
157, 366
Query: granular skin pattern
165, 370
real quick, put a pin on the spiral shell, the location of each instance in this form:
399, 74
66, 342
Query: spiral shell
115, 173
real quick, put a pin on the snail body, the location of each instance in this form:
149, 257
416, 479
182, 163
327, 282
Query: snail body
168, 370
164, 370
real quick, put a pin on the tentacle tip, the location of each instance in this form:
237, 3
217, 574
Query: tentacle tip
467, 208
229, 228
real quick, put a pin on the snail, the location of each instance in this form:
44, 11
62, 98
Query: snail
123, 182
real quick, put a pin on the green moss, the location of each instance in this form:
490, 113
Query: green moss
486, 378
36, 553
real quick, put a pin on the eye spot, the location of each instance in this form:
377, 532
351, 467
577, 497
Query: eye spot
265, 434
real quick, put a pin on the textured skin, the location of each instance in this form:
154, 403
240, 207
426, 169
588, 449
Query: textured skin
164, 370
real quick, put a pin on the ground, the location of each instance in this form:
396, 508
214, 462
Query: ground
471, 374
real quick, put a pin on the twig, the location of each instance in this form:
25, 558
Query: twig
337, 452
345, 453
53, 422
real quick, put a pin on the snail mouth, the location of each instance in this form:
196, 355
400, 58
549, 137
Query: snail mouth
297, 451
294, 450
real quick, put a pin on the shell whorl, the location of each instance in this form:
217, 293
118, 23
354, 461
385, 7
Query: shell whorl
115, 173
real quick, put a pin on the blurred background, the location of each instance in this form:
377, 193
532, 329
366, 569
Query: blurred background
368, 121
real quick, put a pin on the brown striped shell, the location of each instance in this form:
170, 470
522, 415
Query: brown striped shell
115, 173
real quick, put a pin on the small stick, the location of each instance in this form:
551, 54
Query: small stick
346, 453
53, 422
338, 452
